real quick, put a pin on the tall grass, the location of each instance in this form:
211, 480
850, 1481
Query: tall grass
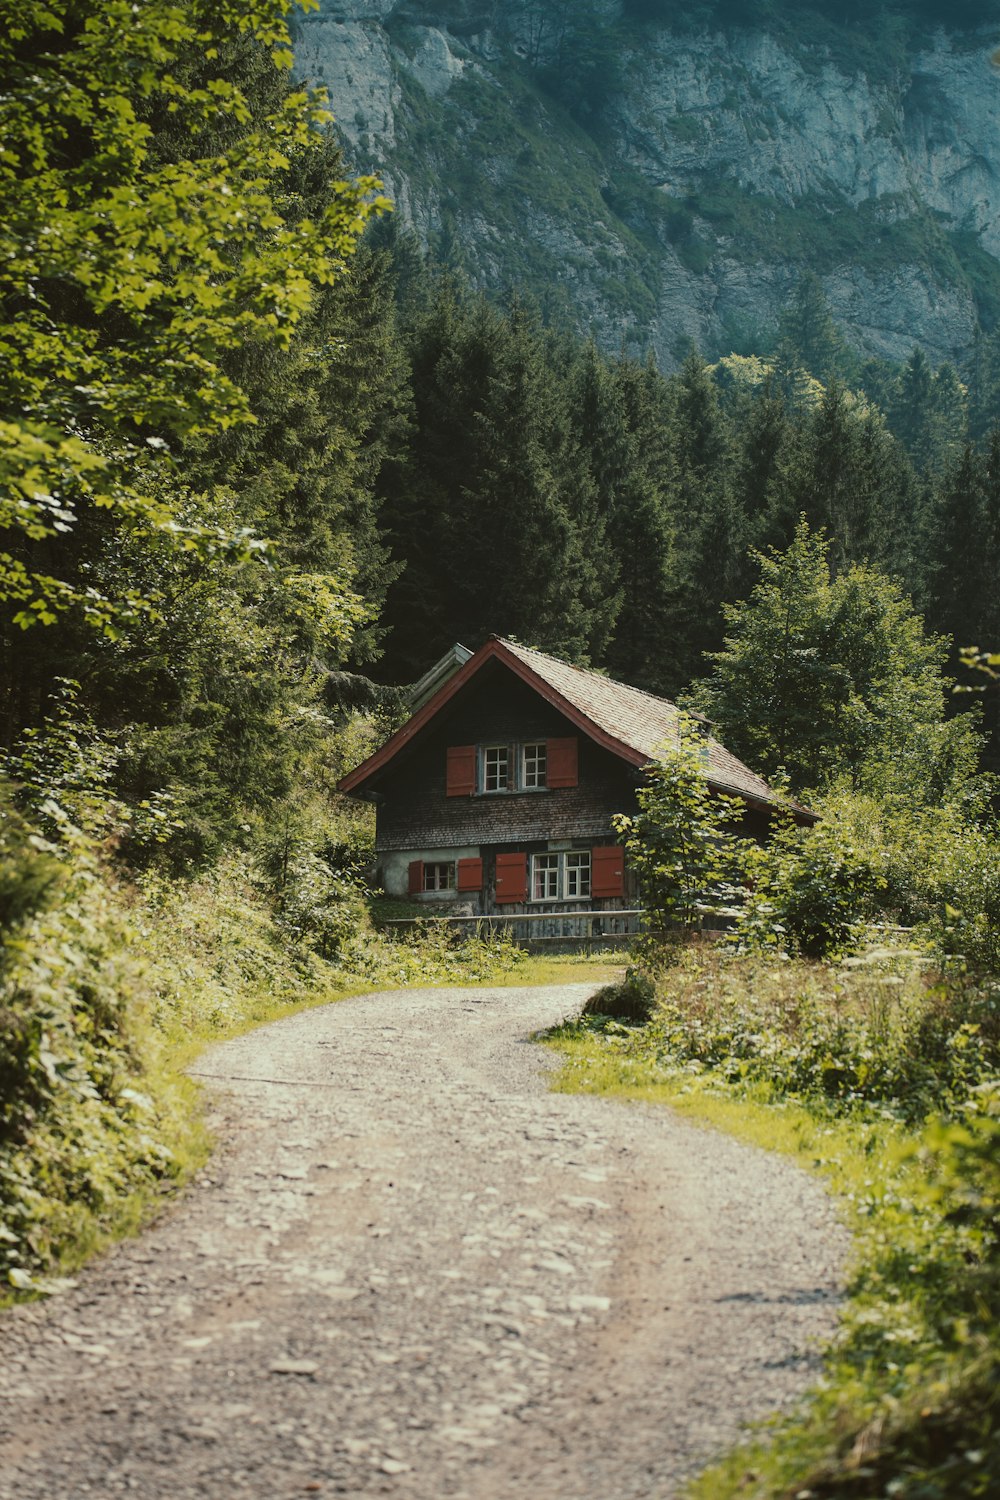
884, 1076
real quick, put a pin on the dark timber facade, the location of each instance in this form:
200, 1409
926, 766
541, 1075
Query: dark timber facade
499, 794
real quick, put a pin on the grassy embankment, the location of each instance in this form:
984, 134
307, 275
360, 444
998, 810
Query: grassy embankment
881, 1077
110, 990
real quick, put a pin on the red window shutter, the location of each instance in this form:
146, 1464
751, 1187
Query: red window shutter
607, 872
461, 777
470, 875
416, 876
561, 763
512, 877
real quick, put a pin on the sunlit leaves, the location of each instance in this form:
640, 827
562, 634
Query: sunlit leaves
126, 277
681, 842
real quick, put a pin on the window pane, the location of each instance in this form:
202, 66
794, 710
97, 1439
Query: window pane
534, 765
545, 877
439, 877
577, 875
495, 768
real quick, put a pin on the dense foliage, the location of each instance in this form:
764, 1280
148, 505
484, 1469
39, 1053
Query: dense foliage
882, 1076
599, 509
829, 676
681, 842
147, 232
251, 462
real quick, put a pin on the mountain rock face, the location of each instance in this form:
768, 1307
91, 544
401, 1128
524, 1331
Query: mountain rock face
681, 190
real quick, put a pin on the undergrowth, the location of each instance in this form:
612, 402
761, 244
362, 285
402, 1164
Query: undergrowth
109, 987
884, 1077
107, 990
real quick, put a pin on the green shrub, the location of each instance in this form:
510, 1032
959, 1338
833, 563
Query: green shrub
633, 1000
325, 908
884, 1030
813, 890
681, 843
79, 1127
967, 880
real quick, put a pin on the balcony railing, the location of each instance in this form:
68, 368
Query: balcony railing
584, 928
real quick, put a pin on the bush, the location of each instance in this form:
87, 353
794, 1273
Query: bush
883, 1030
323, 907
681, 843
633, 1000
78, 1126
812, 891
967, 921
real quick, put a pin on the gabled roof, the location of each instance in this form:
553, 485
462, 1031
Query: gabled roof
437, 675
630, 723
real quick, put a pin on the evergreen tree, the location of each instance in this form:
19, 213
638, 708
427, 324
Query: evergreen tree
963, 570
833, 678
982, 379
928, 413
710, 531
764, 460
494, 509
852, 480
810, 336
641, 533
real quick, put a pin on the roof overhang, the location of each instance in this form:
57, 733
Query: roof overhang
494, 650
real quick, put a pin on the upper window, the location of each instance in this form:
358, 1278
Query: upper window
517, 766
576, 875
496, 768
533, 758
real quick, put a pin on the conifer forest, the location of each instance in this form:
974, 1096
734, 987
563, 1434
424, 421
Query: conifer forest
269, 449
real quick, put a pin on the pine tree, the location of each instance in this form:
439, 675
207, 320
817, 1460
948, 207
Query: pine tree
641, 533
851, 479
495, 511
764, 458
928, 412
963, 571
711, 531
811, 337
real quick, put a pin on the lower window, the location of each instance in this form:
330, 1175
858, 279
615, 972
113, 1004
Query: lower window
561, 877
576, 875
439, 877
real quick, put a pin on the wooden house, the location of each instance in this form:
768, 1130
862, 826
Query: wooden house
498, 794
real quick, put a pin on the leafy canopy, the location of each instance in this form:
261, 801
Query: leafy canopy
681, 842
127, 272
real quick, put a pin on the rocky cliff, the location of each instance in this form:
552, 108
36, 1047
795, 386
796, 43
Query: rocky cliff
715, 168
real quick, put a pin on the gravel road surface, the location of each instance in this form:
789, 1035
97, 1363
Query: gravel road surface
411, 1270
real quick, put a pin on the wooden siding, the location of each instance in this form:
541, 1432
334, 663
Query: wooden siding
416, 812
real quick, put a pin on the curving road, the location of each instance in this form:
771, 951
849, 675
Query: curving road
411, 1270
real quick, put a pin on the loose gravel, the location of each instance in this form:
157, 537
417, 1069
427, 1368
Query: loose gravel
411, 1270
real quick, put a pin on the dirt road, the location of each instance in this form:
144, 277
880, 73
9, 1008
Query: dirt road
411, 1270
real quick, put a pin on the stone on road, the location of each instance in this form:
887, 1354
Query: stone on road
411, 1270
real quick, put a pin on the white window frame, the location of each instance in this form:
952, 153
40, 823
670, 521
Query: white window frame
496, 751
431, 883
534, 765
576, 871
570, 867
546, 871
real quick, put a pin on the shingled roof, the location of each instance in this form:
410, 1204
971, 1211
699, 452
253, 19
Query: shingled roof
631, 723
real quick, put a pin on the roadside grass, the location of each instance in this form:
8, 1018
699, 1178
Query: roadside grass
121, 987
909, 1404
